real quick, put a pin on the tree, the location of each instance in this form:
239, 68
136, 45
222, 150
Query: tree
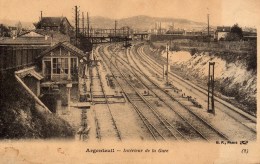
236, 33
4, 31
84, 44
235, 29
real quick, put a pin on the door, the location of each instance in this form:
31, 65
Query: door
47, 70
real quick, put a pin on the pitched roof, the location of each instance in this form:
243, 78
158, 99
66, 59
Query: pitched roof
53, 36
52, 21
31, 33
29, 72
57, 36
25, 41
67, 46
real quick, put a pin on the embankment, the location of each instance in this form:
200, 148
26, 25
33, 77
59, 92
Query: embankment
235, 80
21, 116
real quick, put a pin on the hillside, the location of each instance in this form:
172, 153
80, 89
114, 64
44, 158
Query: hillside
144, 22
141, 22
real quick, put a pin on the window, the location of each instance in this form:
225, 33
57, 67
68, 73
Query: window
56, 70
64, 66
60, 65
73, 66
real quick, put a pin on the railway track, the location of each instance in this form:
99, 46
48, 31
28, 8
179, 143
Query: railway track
98, 129
155, 124
98, 134
221, 136
234, 114
208, 132
206, 137
183, 128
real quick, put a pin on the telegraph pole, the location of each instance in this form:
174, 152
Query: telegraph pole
208, 24
167, 71
76, 25
83, 25
160, 27
88, 24
115, 26
41, 15
208, 28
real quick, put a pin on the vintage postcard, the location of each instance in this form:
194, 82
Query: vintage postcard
129, 81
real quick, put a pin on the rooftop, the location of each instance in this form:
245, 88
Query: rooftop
25, 41
51, 21
67, 46
223, 29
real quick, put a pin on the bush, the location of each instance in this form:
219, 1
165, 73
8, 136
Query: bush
19, 117
252, 62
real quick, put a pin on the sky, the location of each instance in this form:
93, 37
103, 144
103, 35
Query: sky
222, 12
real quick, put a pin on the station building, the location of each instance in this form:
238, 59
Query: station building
60, 63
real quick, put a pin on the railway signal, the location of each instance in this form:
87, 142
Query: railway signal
211, 108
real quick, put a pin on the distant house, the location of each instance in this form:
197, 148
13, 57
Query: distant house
60, 24
153, 31
13, 30
176, 32
52, 36
162, 31
193, 33
60, 63
222, 32
211, 32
